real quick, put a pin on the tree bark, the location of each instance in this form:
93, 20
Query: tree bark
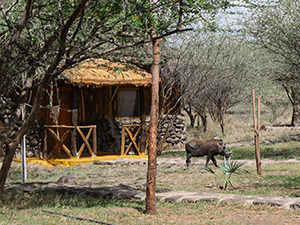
11, 148
204, 122
151, 173
296, 106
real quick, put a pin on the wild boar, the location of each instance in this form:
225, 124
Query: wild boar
210, 147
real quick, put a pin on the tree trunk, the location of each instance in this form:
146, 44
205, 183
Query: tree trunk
296, 106
192, 117
11, 147
204, 122
222, 121
151, 173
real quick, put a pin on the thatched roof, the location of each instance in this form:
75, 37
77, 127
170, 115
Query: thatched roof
101, 72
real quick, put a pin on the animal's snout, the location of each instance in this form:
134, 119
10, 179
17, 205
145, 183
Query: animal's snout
227, 154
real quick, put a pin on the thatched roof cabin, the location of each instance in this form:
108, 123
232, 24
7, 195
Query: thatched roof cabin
93, 95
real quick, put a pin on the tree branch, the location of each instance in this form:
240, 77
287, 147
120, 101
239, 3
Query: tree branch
5, 58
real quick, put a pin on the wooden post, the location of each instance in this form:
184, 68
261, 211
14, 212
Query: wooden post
95, 140
123, 141
152, 159
45, 149
23, 147
258, 161
82, 105
110, 106
256, 126
74, 121
143, 121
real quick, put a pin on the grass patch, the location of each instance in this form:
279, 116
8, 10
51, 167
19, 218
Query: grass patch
129, 212
278, 151
16, 199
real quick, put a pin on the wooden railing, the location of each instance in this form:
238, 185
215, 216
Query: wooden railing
62, 138
132, 139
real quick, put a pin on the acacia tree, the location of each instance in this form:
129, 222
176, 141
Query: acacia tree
275, 28
216, 71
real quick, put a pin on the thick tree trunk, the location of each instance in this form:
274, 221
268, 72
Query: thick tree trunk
11, 147
151, 173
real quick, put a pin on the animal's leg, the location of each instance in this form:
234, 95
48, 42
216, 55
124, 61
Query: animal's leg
207, 160
214, 161
188, 159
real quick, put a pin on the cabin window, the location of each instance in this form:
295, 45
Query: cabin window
128, 102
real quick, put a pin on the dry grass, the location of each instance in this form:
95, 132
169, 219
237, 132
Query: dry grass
239, 126
278, 179
192, 214
25, 208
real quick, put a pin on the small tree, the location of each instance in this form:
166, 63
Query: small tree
216, 71
275, 28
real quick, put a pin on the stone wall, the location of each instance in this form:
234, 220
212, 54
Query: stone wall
172, 128
33, 139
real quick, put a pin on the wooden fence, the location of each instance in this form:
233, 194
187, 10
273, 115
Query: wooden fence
134, 144
62, 138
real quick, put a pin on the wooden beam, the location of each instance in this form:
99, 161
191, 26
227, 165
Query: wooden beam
133, 141
143, 119
60, 142
45, 149
82, 105
114, 94
110, 110
123, 141
85, 141
74, 120
68, 126
83, 144
95, 140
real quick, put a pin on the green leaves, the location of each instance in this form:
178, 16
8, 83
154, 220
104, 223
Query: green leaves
224, 179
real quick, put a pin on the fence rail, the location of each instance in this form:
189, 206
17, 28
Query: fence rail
133, 139
61, 138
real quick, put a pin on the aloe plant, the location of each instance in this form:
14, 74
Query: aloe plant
229, 168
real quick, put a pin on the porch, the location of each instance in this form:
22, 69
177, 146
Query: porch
131, 142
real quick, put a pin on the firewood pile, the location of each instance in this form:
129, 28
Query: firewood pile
108, 136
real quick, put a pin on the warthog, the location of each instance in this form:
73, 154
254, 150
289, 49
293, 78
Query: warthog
210, 147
